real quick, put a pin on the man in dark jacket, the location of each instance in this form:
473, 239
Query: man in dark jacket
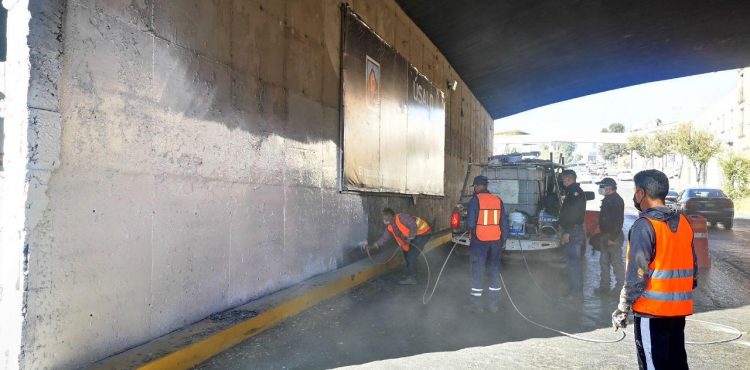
488, 235
573, 237
610, 238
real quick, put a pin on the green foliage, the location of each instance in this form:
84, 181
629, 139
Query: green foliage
697, 145
611, 152
660, 146
638, 144
617, 127
566, 148
736, 171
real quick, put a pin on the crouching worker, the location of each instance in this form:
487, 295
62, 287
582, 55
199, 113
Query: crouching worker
408, 231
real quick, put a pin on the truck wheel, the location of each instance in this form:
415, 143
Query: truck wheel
728, 224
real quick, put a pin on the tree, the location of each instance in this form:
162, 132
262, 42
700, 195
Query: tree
698, 146
638, 144
611, 152
660, 146
566, 148
736, 171
616, 127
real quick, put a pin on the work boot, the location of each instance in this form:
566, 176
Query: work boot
474, 308
409, 280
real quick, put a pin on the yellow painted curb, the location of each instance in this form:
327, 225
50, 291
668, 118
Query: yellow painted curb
202, 350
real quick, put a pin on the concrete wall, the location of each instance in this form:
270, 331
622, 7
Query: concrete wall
190, 163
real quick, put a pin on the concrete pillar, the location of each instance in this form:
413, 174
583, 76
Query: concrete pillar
32, 152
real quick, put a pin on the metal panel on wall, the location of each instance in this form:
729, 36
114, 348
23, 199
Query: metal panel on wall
393, 118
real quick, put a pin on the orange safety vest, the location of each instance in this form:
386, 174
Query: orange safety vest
669, 292
422, 228
488, 221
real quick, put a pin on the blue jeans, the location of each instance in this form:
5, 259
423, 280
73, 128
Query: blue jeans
573, 258
480, 253
411, 257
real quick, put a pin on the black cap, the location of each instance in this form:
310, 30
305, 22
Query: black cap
568, 173
607, 181
480, 180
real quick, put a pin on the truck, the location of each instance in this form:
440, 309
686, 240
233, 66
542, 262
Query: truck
531, 192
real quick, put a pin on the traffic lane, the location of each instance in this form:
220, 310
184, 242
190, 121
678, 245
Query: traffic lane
727, 283
381, 319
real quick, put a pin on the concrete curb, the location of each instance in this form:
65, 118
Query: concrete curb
196, 343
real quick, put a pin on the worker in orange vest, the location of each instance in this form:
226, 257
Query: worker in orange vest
408, 231
488, 223
660, 275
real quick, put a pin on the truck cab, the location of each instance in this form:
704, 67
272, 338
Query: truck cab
530, 190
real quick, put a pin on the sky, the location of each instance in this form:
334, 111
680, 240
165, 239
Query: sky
680, 99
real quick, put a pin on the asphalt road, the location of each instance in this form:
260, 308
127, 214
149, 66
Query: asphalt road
382, 320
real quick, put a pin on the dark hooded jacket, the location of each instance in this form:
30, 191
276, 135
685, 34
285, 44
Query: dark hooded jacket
642, 251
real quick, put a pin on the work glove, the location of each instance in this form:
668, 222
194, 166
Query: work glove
619, 319
369, 247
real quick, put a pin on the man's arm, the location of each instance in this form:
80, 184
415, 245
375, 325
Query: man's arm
640, 254
472, 214
504, 226
383, 238
579, 208
695, 264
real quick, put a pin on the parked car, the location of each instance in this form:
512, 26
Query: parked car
672, 196
710, 203
625, 176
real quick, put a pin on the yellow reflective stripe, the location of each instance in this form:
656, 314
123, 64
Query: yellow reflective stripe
486, 214
496, 220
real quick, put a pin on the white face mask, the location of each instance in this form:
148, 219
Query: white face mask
602, 191
386, 222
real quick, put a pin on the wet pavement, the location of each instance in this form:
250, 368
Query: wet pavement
381, 320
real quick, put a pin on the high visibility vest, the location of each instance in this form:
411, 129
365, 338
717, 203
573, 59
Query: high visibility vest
490, 214
669, 292
422, 228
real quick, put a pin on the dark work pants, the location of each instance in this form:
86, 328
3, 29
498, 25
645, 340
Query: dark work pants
573, 259
611, 255
660, 343
412, 255
480, 254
